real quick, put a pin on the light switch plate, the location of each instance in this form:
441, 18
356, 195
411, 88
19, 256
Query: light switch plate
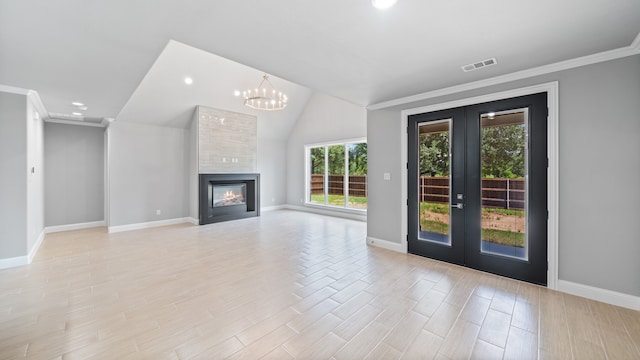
387, 176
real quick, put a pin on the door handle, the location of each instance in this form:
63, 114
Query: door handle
457, 206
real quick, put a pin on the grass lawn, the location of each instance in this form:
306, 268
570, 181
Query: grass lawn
444, 209
490, 235
357, 202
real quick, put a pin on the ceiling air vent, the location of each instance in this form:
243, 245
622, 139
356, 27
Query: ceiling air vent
479, 64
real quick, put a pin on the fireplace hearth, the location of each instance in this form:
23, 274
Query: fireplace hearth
225, 197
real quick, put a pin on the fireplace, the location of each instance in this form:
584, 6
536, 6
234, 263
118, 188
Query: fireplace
229, 195
226, 197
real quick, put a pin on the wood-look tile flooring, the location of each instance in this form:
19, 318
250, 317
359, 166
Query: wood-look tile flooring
282, 286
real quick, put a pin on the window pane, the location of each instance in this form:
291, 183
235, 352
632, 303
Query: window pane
336, 175
316, 164
357, 176
434, 182
504, 174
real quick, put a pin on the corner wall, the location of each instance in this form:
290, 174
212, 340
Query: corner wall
148, 171
272, 166
325, 119
74, 166
599, 167
13, 175
35, 177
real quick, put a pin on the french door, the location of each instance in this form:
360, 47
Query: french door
477, 186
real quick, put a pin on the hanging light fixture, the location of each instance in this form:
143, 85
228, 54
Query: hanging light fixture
265, 97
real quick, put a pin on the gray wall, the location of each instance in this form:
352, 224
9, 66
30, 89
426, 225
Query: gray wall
192, 160
74, 171
148, 171
599, 147
324, 119
13, 175
272, 166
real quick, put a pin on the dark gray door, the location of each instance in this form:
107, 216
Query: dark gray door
478, 186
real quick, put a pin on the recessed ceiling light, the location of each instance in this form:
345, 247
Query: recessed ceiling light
76, 113
83, 108
383, 4
188, 80
236, 93
76, 103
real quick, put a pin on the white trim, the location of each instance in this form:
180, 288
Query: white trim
598, 294
35, 247
150, 224
630, 50
272, 208
551, 89
192, 220
13, 90
636, 43
37, 103
13, 262
338, 142
70, 122
385, 244
70, 227
328, 211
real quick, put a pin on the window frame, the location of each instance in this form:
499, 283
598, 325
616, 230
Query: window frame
307, 180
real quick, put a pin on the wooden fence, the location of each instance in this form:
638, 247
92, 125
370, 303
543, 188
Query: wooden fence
496, 192
357, 185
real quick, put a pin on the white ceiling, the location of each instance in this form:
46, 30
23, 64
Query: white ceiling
163, 98
99, 52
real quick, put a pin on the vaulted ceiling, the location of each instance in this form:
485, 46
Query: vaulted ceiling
118, 56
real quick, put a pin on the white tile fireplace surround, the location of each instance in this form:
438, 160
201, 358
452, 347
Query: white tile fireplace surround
227, 141
228, 183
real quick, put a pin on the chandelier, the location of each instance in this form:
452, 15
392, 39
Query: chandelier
265, 97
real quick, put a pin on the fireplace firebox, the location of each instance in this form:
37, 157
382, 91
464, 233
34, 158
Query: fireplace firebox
226, 197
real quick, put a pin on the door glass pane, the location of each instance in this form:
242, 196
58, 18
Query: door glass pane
316, 167
357, 176
434, 182
504, 183
336, 175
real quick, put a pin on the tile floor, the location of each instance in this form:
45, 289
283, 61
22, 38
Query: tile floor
285, 285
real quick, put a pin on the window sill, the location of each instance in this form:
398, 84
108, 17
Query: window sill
357, 214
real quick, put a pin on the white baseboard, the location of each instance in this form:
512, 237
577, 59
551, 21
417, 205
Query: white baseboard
70, 227
598, 294
36, 246
150, 224
335, 213
385, 244
13, 262
22, 260
272, 208
192, 220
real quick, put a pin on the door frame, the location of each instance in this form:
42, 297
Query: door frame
551, 88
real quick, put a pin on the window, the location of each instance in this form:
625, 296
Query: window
337, 174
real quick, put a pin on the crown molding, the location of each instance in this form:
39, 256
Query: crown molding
71, 122
13, 90
632, 49
636, 43
37, 103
